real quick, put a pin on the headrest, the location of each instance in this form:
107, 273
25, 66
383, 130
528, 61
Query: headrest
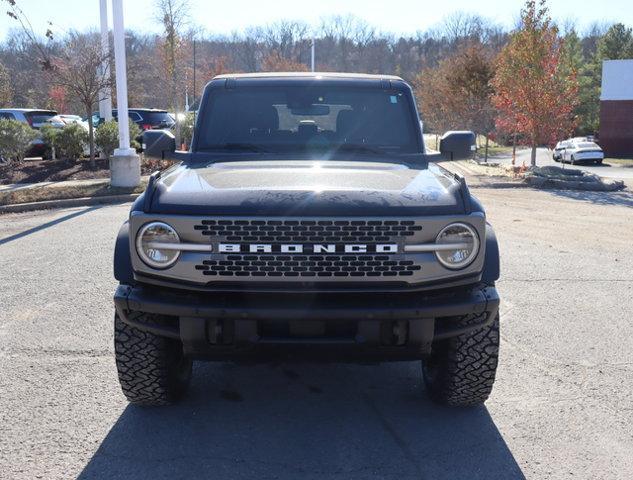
307, 127
347, 125
345, 121
264, 118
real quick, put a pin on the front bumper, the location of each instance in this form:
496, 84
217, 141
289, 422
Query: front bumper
317, 326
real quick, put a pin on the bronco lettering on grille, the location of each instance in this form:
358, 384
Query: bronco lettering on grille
307, 248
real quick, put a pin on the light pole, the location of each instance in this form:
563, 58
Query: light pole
312, 53
105, 98
125, 165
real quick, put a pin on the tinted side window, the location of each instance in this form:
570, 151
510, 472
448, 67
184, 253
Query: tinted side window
7, 115
156, 117
134, 116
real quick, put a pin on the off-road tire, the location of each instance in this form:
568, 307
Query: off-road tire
461, 370
152, 369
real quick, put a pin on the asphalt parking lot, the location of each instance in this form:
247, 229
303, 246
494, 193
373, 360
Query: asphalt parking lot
562, 405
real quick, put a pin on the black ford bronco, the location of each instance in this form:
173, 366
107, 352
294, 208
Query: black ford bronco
307, 221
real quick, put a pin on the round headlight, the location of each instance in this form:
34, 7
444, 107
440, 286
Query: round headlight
148, 245
459, 244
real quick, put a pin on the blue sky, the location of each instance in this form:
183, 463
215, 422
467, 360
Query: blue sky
399, 17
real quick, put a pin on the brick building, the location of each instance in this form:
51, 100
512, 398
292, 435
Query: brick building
616, 108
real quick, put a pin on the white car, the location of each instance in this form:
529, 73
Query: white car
577, 150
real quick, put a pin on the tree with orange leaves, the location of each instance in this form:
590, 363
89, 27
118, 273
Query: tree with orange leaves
57, 96
534, 93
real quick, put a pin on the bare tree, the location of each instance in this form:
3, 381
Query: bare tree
174, 15
78, 70
288, 40
248, 47
6, 93
75, 66
460, 25
349, 35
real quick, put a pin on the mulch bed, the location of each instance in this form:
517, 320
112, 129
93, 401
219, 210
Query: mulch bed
34, 171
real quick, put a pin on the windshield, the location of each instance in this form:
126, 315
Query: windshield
296, 119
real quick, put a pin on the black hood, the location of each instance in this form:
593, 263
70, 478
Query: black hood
306, 187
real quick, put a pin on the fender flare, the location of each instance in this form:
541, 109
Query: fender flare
122, 261
492, 268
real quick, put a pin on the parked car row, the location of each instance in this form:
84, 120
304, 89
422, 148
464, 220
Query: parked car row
36, 119
579, 149
145, 118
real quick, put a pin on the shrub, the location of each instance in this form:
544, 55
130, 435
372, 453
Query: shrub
135, 134
15, 139
186, 129
71, 141
49, 135
107, 136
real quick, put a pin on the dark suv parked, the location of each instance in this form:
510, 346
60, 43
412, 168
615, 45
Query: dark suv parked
145, 118
308, 221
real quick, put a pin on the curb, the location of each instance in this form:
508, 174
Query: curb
67, 202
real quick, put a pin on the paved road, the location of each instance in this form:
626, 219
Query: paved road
562, 406
544, 157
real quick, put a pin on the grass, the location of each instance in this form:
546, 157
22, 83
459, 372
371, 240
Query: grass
65, 190
494, 150
493, 147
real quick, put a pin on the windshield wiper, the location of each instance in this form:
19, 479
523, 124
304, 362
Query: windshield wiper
354, 147
250, 147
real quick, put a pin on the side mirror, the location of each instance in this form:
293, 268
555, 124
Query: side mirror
458, 145
158, 143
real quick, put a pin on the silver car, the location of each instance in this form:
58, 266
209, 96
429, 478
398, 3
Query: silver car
577, 150
36, 119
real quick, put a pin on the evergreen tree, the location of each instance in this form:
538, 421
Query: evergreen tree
615, 44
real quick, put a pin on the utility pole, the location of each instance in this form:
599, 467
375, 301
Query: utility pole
105, 97
193, 101
125, 165
312, 51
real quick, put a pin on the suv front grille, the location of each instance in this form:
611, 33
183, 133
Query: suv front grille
298, 231
299, 251
308, 266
